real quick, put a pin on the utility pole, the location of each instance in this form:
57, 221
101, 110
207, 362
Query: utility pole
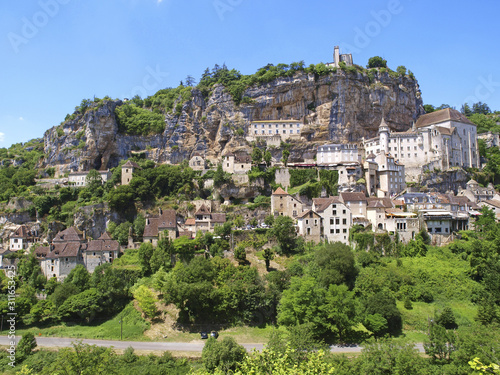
121, 329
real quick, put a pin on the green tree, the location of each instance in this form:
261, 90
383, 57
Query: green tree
286, 155
401, 70
139, 225
93, 181
146, 251
336, 265
340, 307
269, 220
146, 300
79, 277
376, 323
220, 177
440, 344
284, 232
256, 155
162, 255
85, 305
376, 62
240, 254
224, 355
25, 346
62, 292
267, 158
447, 319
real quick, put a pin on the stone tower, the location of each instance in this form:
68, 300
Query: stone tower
383, 132
127, 171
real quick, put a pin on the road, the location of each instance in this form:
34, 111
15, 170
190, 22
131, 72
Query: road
57, 342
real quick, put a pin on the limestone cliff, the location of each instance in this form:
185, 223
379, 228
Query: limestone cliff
339, 107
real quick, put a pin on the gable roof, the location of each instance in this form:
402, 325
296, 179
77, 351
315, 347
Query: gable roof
168, 219
218, 218
447, 114
445, 131
306, 213
151, 227
203, 210
66, 249
103, 243
380, 203
190, 221
321, 204
70, 234
21, 232
131, 164
280, 191
353, 197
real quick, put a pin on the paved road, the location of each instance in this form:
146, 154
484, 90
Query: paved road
162, 346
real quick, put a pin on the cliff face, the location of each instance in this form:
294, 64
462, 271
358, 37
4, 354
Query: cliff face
340, 107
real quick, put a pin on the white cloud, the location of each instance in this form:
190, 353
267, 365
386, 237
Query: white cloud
2, 137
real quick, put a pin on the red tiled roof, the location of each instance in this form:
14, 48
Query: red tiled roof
190, 221
447, 114
280, 191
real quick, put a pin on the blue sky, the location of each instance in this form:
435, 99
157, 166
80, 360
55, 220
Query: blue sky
57, 52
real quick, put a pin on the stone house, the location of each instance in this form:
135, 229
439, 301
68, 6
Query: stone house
239, 163
100, 251
128, 170
79, 179
310, 226
492, 204
23, 238
336, 217
375, 212
163, 225
197, 161
477, 193
405, 224
284, 204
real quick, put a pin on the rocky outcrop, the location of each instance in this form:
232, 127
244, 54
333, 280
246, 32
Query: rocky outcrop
450, 180
340, 107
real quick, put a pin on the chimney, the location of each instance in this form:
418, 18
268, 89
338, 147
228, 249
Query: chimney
84, 234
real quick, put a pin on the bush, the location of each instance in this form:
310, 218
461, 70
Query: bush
224, 355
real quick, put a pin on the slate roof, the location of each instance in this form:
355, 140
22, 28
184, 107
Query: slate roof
447, 114
151, 229
492, 202
70, 234
445, 131
41, 251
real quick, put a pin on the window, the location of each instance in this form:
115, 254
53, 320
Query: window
337, 221
331, 231
307, 221
334, 212
344, 230
337, 231
331, 221
344, 221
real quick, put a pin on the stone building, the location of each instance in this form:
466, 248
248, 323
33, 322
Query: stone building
128, 170
23, 238
284, 204
405, 224
346, 58
477, 193
336, 217
310, 226
385, 177
333, 154
375, 212
239, 163
271, 128
63, 255
204, 221
197, 161
165, 224
439, 140
100, 251
79, 179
